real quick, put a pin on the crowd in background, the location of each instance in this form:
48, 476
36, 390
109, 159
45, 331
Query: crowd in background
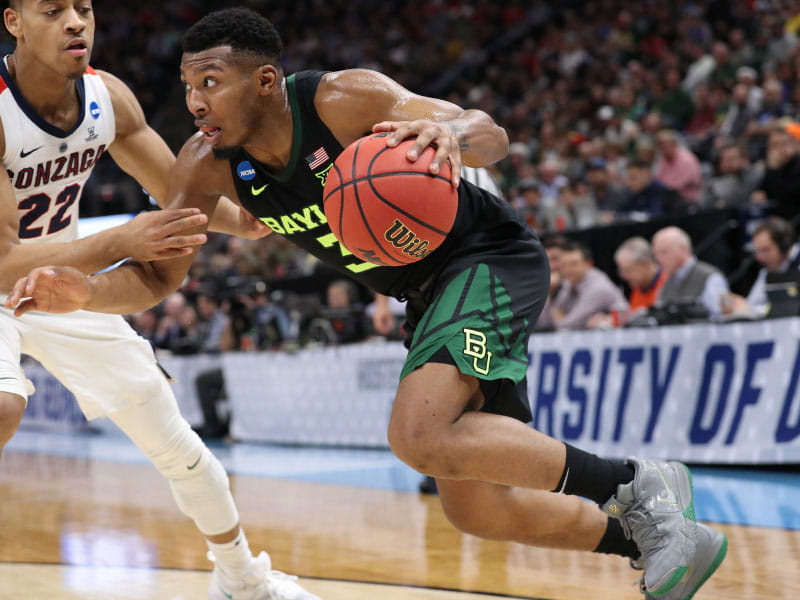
616, 112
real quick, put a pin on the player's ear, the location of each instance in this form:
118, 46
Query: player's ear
11, 21
268, 78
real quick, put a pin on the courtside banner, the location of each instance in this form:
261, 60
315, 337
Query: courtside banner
707, 393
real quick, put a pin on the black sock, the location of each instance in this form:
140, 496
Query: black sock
592, 477
615, 542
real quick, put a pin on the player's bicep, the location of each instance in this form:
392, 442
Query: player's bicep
372, 97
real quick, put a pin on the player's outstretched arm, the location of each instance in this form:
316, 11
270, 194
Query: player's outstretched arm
144, 155
198, 182
150, 236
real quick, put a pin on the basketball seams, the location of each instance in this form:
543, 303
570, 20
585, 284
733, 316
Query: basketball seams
370, 176
372, 238
364, 221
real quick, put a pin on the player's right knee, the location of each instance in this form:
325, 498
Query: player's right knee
421, 446
12, 407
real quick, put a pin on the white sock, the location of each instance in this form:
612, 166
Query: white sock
232, 557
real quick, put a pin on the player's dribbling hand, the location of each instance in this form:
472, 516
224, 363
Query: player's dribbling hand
50, 289
437, 134
161, 234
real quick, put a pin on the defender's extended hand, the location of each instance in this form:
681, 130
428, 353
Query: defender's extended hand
50, 289
160, 234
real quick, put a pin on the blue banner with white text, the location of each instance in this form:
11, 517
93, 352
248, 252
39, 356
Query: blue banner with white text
709, 393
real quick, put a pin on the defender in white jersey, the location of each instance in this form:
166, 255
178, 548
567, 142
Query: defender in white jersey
57, 117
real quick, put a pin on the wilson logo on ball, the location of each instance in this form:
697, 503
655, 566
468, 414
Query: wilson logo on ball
402, 238
386, 209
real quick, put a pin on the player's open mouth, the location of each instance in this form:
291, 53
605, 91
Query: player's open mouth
210, 134
78, 48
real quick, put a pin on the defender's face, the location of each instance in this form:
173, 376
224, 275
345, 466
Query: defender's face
221, 96
56, 33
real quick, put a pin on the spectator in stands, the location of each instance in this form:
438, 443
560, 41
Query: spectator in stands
528, 202
513, 168
212, 321
735, 179
645, 197
780, 187
273, 327
674, 104
638, 268
587, 290
677, 167
342, 320
689, 281
575, 209
555, 245
776, 250
748, 77
145, 323
738, 114
608, 196
550, 181
168, 331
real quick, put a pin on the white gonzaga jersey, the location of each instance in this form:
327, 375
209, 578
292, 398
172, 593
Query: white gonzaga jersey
48, 166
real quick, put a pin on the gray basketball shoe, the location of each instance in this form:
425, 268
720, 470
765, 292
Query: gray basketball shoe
711, 549
656, 510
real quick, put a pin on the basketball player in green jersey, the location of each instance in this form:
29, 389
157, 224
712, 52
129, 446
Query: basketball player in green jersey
461, 409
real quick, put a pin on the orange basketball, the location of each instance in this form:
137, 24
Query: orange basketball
386, 209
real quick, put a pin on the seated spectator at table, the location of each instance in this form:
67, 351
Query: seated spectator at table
776, 250
587, 290
780, 187
677, 167
735, 179
638, 268
689, 281
555, 245
645, 197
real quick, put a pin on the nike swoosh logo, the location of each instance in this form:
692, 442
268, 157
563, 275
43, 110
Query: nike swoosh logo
194, 464
667, 495
564, 485
23, 154
256, 191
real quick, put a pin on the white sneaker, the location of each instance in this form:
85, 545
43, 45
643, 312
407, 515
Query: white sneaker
260, 582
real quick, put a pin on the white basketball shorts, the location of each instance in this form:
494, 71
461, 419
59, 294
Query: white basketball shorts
98, 357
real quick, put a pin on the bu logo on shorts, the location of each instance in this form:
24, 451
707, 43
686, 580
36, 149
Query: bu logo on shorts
475, 346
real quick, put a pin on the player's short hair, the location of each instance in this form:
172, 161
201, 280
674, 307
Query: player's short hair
244, 30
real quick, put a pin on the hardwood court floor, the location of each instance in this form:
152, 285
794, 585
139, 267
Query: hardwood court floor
86, 528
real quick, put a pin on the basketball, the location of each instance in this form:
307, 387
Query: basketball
385, 209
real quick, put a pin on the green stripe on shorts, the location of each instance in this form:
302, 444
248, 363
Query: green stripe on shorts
473, 318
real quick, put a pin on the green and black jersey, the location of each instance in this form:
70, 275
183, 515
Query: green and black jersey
472, 302
290, 201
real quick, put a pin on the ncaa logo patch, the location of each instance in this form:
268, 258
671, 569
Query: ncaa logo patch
245, 170
94, 110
